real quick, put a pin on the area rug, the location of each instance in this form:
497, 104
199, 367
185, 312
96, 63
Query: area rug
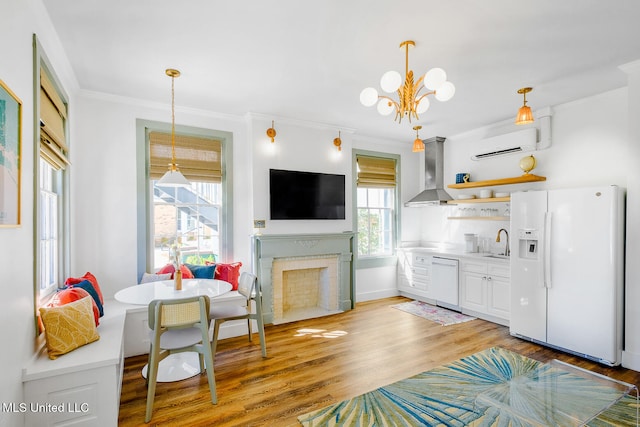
431, 312
446, 396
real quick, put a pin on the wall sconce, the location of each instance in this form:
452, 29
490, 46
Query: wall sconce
525, 116
271, 133
338, 142
418, 145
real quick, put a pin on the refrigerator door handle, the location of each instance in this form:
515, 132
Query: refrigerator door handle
546, 255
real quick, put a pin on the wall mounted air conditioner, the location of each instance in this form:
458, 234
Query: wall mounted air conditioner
520, 141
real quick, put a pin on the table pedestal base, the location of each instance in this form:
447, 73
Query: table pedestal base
176, 367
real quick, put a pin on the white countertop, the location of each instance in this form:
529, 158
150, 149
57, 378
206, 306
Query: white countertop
454, 251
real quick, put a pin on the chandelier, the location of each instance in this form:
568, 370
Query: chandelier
411, 101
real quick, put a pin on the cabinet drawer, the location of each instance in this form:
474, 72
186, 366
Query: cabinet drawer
474, 267
499, 270
421, 260
417, 272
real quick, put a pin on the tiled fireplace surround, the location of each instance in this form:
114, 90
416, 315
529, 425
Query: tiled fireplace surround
304, 275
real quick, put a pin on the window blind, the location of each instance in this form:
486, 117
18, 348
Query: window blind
53, 113
198, 158
376, 172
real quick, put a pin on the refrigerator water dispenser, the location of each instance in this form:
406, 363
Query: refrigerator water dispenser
528, 244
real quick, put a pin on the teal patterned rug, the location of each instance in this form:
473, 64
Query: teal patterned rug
446, 396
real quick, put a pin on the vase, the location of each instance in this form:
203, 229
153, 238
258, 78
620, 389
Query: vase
178, 280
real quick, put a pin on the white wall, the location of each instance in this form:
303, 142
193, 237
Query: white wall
631, 356
309, 147
18, 22
105, 197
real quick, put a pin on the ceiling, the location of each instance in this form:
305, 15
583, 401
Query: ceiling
309, 60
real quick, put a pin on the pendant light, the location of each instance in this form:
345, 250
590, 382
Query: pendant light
418, 145
173, 177
525, 116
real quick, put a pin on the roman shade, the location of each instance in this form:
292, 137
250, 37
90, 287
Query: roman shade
376, 172
198, 158
53, 115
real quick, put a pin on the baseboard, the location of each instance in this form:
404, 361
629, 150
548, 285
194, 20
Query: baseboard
631, 360
369, 296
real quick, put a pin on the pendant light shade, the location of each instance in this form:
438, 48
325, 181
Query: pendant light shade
173, 177
525, 116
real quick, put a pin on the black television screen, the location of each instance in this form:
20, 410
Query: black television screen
306, 195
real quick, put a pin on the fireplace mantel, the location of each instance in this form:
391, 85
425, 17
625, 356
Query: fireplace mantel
268, 247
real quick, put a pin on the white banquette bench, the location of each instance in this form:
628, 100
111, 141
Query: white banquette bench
82, 388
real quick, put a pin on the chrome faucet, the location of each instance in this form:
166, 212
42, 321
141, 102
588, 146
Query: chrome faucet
507, 252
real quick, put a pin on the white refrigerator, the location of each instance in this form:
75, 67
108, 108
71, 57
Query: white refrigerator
567, 270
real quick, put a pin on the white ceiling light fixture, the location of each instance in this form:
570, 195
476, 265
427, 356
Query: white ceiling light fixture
173, 177
411, 102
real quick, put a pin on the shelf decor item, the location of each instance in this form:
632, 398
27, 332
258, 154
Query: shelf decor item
462, 177
527, 164
10, 145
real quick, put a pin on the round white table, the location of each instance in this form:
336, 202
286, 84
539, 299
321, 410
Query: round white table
177, 366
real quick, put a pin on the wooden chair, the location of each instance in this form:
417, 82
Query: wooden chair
179, 325
249, 287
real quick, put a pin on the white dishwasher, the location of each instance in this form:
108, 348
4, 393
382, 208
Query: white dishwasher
444, 282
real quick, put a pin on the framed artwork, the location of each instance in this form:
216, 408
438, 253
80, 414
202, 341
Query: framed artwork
10, 145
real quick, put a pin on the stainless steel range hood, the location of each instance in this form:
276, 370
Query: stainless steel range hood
434, 193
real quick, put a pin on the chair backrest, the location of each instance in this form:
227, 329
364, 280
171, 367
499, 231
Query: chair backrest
178, 313
248, 285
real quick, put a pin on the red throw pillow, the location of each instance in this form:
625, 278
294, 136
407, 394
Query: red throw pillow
68, 295
229, 273
87, 276
169, 268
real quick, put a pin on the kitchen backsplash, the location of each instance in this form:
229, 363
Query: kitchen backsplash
438, 227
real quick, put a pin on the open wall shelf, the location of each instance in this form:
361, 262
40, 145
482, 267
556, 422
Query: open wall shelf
502, 181
489, 200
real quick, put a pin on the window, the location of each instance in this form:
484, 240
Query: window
376, 205
48, 221
51, 198
192, 216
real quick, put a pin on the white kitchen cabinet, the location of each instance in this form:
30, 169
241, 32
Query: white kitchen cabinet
414, 273
485, 290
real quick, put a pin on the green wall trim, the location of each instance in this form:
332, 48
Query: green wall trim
368, 262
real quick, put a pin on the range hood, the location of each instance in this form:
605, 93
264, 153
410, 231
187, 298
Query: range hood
434, 193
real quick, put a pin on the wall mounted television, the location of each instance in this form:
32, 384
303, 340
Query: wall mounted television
306, 195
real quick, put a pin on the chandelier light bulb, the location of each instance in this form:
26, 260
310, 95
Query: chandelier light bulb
434, 78
369, 97
445, 92
385, 107
423, 105
390, 81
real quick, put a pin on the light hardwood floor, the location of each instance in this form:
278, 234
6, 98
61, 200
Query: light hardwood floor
317, 362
